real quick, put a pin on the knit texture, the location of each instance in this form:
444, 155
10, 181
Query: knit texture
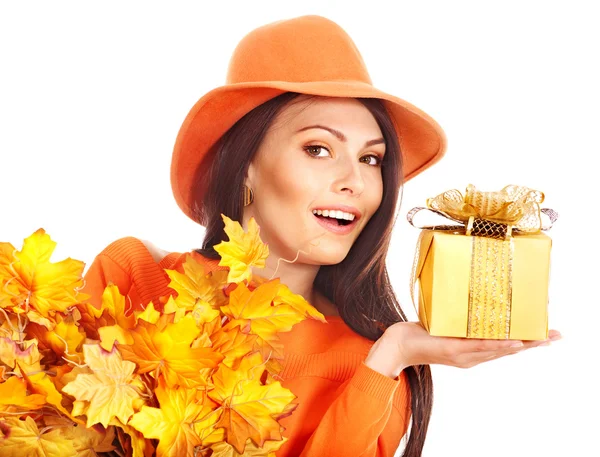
345, 407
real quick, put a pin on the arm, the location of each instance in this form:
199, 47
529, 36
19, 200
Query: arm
368, 418
102, 271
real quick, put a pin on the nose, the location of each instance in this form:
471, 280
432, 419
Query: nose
349, 178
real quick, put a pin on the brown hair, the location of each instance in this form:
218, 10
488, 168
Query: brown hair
359, 286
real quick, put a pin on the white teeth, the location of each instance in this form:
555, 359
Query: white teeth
335, 214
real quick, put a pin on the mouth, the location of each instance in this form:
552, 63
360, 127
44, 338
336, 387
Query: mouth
335, 222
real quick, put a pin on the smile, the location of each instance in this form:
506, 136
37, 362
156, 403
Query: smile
339, 222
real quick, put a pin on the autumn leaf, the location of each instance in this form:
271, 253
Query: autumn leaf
118, 306
25, 360
166, 348
250, 409
110, 390
254, 313
65, 339
24, 439
233, 344
46, 287
149, 314
173, 423
88, 442
298, 303
243, 250
225, 449
14, 396
196, 290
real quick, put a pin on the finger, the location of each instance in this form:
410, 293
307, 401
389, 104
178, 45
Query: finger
490, 355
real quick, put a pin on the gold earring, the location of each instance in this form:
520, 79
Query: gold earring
248, 195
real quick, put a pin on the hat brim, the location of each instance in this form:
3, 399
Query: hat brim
422, 140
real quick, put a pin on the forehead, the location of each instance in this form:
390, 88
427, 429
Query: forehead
332, 111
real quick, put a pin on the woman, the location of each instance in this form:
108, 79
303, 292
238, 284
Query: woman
300, 140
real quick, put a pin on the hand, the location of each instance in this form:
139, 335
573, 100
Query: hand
408, 343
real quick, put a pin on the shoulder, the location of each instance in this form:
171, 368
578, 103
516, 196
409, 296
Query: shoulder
131, 253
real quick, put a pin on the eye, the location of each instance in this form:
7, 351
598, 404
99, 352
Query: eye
315, 147
372, 159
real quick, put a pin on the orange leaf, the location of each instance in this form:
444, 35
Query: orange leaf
13, 393
166, 347
250, 409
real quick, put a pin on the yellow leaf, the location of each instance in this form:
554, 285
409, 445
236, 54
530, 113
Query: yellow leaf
172, 424
14, 396
297, 301
118, 306
197, 291
45, 286
88, 442
149, 314
167, 348
10, 288
243, 250
24, 439
21, 360
136, 445
224, 449
233, 344
110, 334
250, 409
112, 388
255, 308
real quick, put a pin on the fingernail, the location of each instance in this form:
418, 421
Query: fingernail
556, 337
545, 343
517, 344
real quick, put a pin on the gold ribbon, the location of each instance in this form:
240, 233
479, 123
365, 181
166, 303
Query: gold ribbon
491, 217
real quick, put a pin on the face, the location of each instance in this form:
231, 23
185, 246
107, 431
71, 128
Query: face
302, 175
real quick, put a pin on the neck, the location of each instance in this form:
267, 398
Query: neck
299, 277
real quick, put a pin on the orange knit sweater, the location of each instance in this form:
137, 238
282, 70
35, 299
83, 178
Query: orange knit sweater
345, 408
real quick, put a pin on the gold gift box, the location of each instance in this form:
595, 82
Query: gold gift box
493, 286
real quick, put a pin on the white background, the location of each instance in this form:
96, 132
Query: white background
92, 96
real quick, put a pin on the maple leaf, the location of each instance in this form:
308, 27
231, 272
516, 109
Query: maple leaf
149, 314
254, 313
297, 302
65, 338
243, 250
88, 442
9, 288
233, 344
173, 423
118, 306
42, 384
134, 444
24, 439
166, 348
225, 449
23, 361
110, 390
36, 282
14, 396
196, 290
250, 409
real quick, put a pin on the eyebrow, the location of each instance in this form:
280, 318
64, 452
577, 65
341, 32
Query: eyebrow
339, 135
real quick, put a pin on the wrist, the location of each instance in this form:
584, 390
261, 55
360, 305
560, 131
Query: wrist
384, 357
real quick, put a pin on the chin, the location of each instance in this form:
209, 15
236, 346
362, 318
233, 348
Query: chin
321, 256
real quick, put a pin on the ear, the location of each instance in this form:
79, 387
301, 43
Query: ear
250, 175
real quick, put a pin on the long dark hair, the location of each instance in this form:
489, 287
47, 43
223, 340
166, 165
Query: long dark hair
359, 286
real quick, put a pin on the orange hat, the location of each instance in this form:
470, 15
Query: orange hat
307, 54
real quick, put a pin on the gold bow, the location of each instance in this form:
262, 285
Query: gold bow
515, 206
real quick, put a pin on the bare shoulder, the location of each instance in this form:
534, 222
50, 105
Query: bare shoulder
157, 253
